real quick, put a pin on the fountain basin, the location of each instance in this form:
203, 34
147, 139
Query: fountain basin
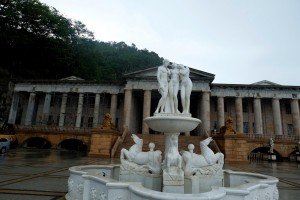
172, 123
101, 182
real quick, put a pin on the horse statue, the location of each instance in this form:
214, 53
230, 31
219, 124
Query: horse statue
135, 158
194, 162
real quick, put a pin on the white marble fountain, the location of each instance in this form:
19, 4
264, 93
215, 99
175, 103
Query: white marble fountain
184, 175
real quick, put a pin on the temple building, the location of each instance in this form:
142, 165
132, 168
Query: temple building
73, 103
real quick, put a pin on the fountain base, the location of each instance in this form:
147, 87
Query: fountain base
173, 180
89, 182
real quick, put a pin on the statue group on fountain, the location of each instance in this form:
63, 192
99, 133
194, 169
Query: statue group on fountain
172, 77
150, 162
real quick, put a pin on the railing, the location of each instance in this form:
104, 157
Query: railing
52, 129
276, 138
257, 156
119, 141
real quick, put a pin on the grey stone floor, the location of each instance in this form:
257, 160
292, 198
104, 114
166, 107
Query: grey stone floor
42, 174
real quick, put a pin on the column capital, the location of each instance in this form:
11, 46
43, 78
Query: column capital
207, 92
127, 89
276, 98
115, 93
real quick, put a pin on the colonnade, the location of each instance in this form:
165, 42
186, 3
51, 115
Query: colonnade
204, 103
258, 122
46, 109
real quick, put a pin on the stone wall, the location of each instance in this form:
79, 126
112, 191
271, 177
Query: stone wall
54, 137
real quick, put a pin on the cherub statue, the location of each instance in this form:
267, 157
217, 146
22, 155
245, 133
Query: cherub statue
271, 143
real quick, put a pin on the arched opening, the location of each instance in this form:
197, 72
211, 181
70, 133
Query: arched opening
14, 143
293, 155
261, 153
73, 144
37, 142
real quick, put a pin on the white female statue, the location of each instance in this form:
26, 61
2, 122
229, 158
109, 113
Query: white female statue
174, 88
162, 77
186, 88
271, 143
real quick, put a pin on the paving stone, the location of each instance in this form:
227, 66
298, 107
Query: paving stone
24, 172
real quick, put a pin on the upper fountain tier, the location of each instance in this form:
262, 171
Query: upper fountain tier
172, 123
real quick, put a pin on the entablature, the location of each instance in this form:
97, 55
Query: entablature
255, 91
69, 87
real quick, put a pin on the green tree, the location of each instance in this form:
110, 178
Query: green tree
37, 42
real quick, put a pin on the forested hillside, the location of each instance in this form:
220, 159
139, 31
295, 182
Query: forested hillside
37, 42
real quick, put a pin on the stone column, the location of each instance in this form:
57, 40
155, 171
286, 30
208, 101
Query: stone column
239, 114
30, 107
96, 110
146, 109
205, 110
127, 108
276, 116
79, 110
221, 118
63, 110
257, 116
13, 108
113, 107
46, 108
295, 115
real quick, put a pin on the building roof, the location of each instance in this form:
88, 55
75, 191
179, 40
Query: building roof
151, 73
265, 82
72, 78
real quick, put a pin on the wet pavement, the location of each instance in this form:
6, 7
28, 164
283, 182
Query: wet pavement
31, 174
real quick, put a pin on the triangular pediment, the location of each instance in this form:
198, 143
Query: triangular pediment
72, 78
264, 82
150, 74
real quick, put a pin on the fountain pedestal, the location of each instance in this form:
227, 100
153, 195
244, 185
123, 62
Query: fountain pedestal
171, 125
173, 180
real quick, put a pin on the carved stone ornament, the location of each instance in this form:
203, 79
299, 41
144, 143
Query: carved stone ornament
107, 122
208, 163
138, 161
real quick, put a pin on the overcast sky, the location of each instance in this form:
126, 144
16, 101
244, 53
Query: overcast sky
237, 40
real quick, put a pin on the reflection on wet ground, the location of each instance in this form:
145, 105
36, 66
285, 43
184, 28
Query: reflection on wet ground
37, 174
